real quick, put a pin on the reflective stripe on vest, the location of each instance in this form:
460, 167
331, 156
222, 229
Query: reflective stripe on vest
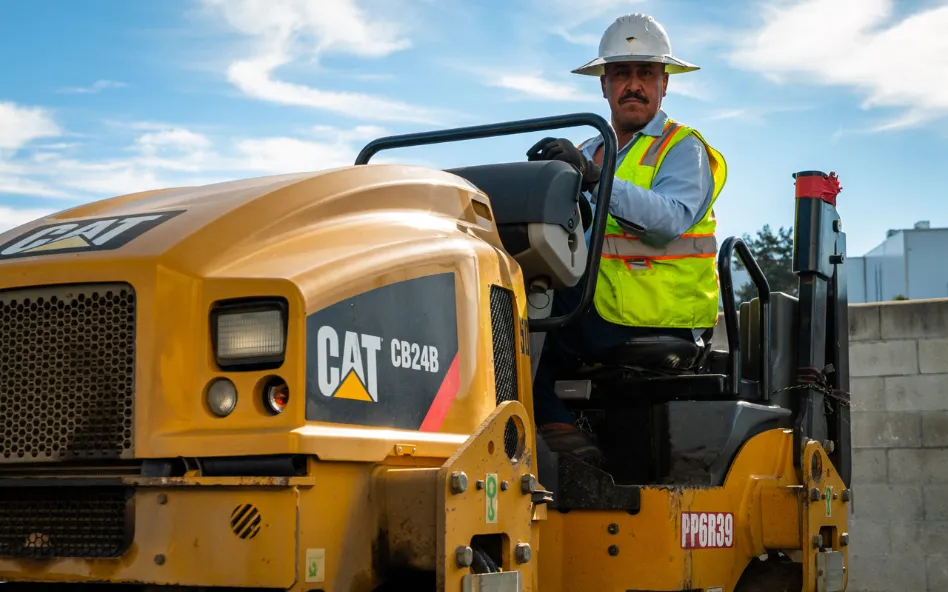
670, 286
689, 245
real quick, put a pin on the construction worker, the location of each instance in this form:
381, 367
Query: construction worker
657, 272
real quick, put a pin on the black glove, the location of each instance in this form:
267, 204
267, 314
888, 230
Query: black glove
563, 149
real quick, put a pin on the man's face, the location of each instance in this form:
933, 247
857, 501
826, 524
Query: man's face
634, 91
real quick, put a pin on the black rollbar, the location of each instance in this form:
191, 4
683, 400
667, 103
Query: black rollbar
523, 126
725, 255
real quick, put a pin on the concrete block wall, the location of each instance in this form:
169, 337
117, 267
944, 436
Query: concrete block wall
899, 383
899, 522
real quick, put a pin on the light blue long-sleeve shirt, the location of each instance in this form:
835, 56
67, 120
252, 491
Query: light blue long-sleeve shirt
680, 194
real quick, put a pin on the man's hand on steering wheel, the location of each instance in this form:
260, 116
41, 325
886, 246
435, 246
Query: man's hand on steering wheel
563, 149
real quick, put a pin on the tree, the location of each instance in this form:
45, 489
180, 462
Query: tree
774, 255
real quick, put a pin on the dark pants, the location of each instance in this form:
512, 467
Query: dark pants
562, 349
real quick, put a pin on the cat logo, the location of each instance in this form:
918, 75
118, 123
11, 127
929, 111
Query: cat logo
99, 234
386, 357
355, 376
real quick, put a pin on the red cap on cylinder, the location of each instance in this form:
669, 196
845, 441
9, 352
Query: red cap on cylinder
817, 185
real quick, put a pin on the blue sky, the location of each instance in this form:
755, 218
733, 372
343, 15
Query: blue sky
100, 98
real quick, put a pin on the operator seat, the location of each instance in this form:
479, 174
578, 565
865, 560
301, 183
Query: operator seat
536, 207
658, 351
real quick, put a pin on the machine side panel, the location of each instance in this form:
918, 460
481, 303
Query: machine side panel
385, 358
702, 538
703, 457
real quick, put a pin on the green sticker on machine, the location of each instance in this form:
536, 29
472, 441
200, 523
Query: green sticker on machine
829, 501
491, 499
315, 565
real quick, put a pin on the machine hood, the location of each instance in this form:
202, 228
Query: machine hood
276, 226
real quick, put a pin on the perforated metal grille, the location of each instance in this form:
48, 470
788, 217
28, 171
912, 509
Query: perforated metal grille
42, 522
67, 362
505, 356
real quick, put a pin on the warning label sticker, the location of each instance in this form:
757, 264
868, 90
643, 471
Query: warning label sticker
707, 530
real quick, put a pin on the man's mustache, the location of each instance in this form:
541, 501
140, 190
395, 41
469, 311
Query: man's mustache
633, 96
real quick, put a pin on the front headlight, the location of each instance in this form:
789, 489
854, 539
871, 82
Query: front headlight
249, 335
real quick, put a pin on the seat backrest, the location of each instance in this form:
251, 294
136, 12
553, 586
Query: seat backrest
546, 192
536, 209
783, 343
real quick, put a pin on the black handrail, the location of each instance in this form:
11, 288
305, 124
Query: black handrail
597, 235
730, 313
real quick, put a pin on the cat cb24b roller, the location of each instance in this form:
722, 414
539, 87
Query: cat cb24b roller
322, 381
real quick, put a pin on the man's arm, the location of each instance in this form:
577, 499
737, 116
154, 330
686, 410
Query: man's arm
680, 192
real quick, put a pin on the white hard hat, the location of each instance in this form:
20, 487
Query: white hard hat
635, 38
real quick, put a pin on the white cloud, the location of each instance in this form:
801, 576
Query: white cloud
57, 146
329, 147
86, 181
535, 87
21, 125
142, 125
735, 113
96, 87
18, 185
173, 138
531, 84
686, 87
755, 114
587, 39
345, 137
13, 217
174, 148
337, 26
281, 155
565, 17
255, 79
859, 44
164, 155
284, 31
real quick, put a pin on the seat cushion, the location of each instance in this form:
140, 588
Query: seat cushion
659, 352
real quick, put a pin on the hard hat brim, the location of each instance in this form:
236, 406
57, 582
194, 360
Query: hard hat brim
672, 65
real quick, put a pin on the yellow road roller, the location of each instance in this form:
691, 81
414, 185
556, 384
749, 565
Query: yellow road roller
323, 382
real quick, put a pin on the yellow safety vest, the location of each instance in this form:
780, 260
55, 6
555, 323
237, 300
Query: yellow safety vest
675, 286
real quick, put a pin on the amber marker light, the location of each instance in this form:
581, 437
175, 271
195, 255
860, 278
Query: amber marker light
276, 395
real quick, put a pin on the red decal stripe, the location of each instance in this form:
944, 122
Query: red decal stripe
444, 398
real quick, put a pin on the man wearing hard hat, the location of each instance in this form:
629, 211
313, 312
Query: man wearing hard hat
657, 273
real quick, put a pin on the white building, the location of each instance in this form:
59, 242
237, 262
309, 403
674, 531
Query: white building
910, 263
